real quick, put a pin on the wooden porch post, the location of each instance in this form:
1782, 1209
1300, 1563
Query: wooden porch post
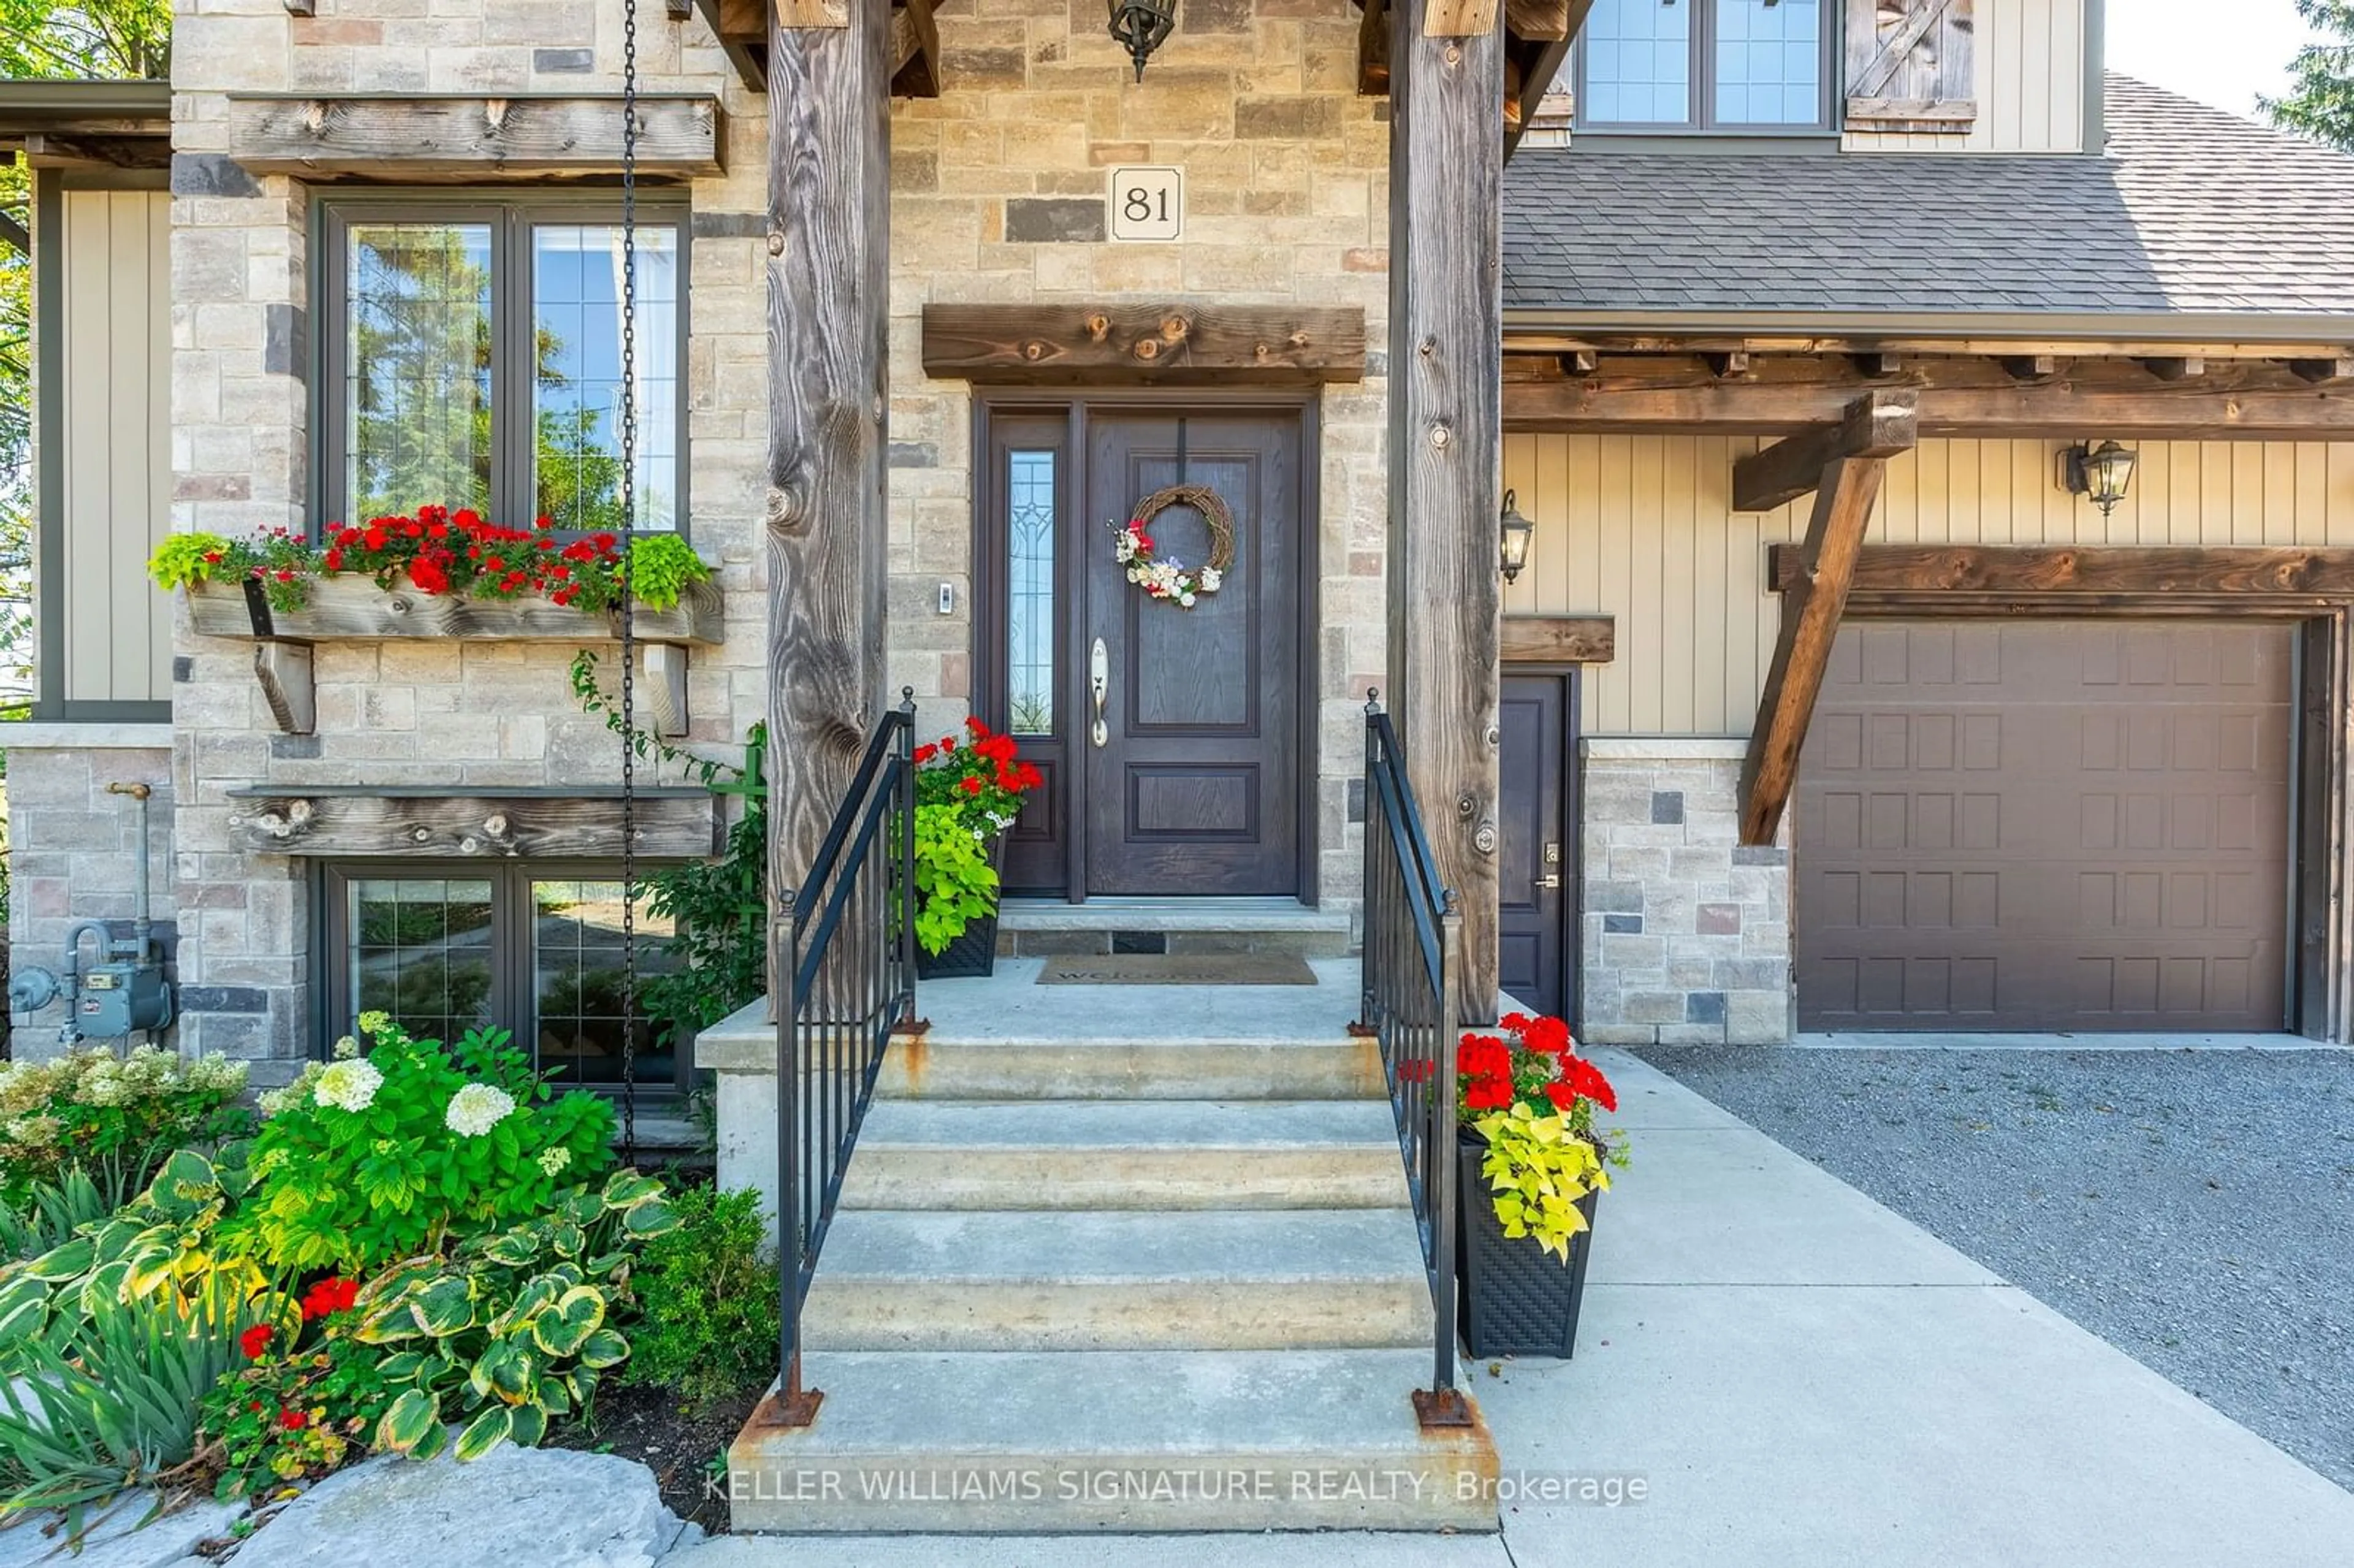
829, 119
1446, 435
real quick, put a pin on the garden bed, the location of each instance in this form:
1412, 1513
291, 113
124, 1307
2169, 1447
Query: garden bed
677, 1442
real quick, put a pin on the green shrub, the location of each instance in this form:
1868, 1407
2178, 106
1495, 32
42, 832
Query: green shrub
116, 1117
709, 1327
391, 1154
122, 1410
513, 1328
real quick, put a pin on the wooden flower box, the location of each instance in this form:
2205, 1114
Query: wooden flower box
351, 608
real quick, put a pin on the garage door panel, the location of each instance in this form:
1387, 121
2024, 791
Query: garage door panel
2047, 825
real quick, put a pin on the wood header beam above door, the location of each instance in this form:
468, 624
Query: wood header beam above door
1877, 425
1558, 638
433, 137
1170, 346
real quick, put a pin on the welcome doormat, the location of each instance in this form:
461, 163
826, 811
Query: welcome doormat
1179, 968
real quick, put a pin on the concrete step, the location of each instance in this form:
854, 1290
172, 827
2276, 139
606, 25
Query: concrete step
1040, 927
1096, 1155
950, 1065
1049, 1442
1173, 1279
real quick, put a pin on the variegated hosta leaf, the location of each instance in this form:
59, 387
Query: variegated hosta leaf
565, 1328
63, 1263
187, 1185
651, 1218
526, 1425
430, 1447
400, 1366
446, 1306
388, 1324
604, 1348
24, 1309
568, 1239
512, 1249
553, 1397
484, 1433
407, 1420
626, 1187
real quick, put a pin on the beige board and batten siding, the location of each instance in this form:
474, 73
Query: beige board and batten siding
1641, 528
2029, 86
113, 443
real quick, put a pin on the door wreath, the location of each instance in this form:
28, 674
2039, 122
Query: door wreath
1170, 579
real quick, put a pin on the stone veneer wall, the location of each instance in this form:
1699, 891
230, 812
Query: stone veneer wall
1687, 932
997, 198
72, 853
242, 323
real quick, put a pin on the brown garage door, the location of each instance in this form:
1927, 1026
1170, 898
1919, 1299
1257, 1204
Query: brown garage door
2046, 825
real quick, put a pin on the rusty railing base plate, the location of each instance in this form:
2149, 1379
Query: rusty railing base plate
1441, 1407
799, 1408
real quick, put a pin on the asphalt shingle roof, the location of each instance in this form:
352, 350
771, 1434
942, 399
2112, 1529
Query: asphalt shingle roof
2190, 210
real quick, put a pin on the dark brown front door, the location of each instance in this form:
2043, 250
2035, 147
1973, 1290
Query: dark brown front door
2042, 825
1534, 874
1192, 787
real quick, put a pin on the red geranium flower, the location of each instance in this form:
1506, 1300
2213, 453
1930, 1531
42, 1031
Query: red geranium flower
254, 1341
1483, 1054
926, 752
292, 1420
1492, 1092
971, 784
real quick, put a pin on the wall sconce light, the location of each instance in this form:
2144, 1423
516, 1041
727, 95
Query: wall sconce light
1140, 26
2103, 473
1513, 534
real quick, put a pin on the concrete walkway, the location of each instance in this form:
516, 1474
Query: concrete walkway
1793, 1375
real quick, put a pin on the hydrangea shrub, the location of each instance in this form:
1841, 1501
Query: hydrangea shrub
121, 1115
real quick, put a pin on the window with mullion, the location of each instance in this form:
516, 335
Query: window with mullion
475, 360
1711, 65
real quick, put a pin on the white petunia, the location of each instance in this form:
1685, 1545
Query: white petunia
477, 1108
349, 1085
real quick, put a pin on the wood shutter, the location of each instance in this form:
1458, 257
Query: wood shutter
1912, 65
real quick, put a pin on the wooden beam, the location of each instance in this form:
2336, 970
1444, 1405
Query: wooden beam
91, 150
2089, 571
679, 135
1878, 424
1175, 345
742, 28
2175, 367
828, 281
1729, 362
362, 820
1445, 406
1542, 21
1459, 19
2322, 372
2202, 410
1810, 618
1558, 638
1374, 30
1579, 362
1533, 340
351, 608
810, 14
914, 51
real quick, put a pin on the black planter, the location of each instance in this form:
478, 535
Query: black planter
970, 955
1513, 1298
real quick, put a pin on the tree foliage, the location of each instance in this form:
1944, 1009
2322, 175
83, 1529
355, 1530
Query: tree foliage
2320, 102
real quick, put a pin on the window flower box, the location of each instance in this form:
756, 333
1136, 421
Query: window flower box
349, 607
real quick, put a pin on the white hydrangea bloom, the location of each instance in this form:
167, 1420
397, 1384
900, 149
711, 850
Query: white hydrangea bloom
477, 1108
554, 1160
346, 1047
375, 1023
349, 1085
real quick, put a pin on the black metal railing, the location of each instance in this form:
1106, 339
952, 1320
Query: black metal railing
845, 978
1413, 931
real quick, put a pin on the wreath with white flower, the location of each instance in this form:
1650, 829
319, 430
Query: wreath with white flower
1172, 579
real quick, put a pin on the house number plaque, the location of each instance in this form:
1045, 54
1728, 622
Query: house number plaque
1148, 203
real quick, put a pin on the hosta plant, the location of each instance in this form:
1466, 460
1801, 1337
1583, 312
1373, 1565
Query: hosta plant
513, 1328
388, 1153
165, 1244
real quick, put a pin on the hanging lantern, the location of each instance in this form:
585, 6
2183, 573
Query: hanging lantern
2102, 473
1514, 535
1140, 26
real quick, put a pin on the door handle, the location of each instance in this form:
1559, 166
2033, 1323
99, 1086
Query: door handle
1549, 881
1099, 686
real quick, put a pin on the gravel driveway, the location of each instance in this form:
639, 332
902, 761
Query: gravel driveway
2195, 1209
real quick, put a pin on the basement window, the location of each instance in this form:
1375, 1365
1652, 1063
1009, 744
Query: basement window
473, 357
1705, 65
534, 950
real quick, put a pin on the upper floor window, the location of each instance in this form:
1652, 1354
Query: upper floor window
473, 359
1711, 65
